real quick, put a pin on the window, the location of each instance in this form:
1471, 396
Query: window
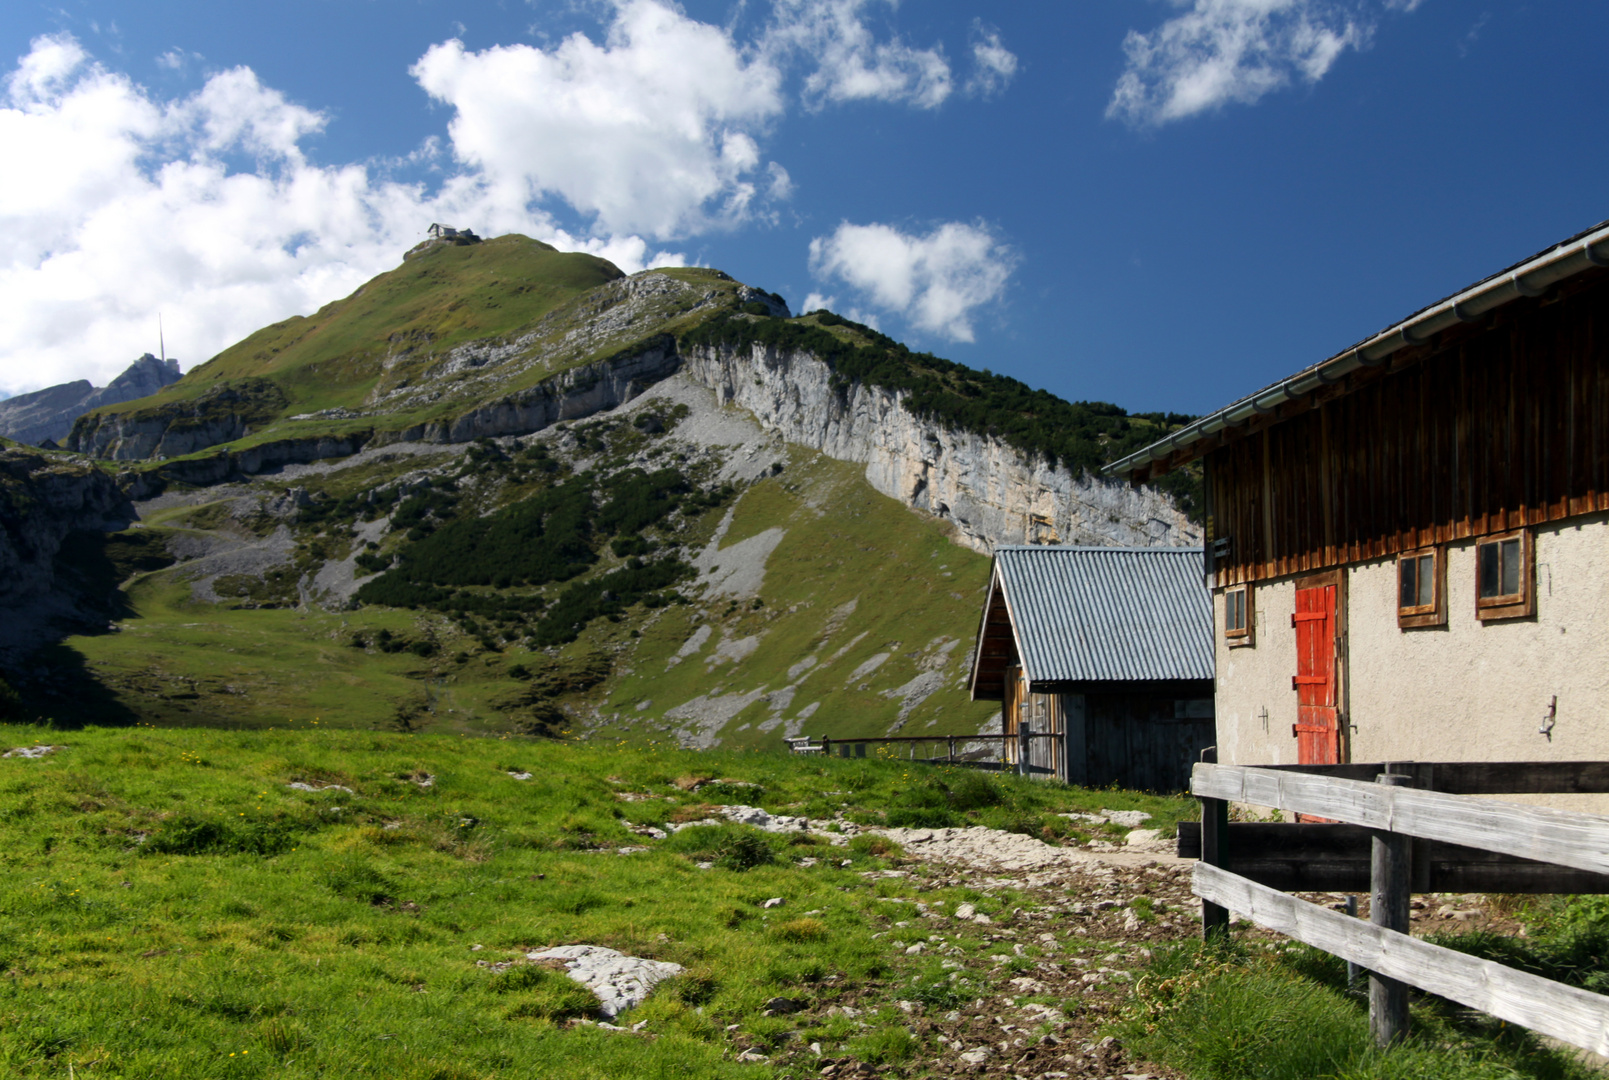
1421, 580
1503, 573
1238, 615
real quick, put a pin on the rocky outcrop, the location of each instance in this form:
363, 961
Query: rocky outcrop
223, 413
140, 379
236, 464
41, 502
49, 413
992, 492
571, 395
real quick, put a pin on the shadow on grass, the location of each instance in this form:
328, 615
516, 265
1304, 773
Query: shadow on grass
60, 691
53, 684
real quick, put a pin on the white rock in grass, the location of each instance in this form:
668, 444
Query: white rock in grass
621, 982
756, 818
1137, 837
1129, 819
30, 751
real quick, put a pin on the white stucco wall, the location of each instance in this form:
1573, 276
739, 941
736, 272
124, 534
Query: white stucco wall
1254, 679
1468, 691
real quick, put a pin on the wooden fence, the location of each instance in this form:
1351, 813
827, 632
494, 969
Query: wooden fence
1036, 751
1419, 840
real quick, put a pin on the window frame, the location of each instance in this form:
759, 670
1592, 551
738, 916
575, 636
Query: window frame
1508, 605
1245, 635
1417, 616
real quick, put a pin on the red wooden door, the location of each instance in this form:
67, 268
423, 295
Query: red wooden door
1317, 727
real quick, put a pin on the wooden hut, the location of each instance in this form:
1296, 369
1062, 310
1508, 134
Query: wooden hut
1102, 660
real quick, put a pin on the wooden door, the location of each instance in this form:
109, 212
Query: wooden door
1011, 712
1318, 724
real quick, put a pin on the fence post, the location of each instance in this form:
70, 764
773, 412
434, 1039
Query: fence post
1390, 890
952, 750
1214, 852
1351, 968
826, 746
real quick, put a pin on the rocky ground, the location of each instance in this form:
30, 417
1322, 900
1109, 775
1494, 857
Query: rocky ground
1062, 963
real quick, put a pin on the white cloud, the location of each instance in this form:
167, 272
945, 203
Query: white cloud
118, 202
177, 59
850, 63
1223, 52
117, 205
654, 130
993, 65
936, 282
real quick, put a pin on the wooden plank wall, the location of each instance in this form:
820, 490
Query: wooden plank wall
1135, 740
1506, 426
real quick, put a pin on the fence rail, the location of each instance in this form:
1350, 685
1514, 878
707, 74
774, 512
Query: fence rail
856, 747
1404, 825
1530, 832
1578, 1017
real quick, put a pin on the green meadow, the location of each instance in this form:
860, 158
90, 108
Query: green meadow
172, 907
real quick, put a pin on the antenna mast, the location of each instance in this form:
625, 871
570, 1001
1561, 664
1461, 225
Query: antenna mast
161, 342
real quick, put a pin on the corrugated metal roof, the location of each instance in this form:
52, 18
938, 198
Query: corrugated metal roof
1092, 614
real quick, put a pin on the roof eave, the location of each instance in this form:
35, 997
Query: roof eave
1533, 277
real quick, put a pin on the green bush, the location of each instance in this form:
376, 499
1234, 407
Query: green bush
1567, 940
356, 879
187, 835
731, 847
726, 794
744, 851
943, 993
695, 986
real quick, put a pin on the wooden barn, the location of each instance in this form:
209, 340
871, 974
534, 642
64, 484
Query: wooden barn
1408, 543
1101, 659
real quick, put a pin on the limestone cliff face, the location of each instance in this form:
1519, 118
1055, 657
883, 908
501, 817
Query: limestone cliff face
991, 491
572, 395
41, 501
223, 414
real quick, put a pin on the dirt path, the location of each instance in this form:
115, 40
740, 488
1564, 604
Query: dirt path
1080, 928
1081, 932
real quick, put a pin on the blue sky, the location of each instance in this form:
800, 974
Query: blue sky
1161, 203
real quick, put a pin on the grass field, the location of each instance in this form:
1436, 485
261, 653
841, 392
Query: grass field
172, 908
1284, 1011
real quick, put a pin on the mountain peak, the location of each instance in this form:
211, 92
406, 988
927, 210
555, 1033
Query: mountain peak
48, 414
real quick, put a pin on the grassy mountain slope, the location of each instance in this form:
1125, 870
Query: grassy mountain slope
867, 585
855, 579
434, 301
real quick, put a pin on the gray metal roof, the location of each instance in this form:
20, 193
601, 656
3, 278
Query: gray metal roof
1091, 614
